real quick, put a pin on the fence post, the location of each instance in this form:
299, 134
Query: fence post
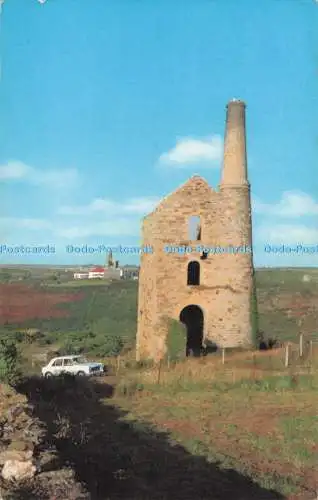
118, 364
168, 362
287, 356
301, 344
254, 366
159, 371
223, 356
311, 348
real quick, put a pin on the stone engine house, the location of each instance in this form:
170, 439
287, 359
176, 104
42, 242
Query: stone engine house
200, 270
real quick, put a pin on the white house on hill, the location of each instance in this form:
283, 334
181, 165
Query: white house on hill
96, 272
80, 276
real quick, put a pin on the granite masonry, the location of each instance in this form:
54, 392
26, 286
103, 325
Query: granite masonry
200, 267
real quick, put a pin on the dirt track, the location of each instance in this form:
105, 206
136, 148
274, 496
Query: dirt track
114, 459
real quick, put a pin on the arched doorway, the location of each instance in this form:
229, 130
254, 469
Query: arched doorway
193, 319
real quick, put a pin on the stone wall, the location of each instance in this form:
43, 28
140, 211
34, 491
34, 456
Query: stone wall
225, 281
224, 292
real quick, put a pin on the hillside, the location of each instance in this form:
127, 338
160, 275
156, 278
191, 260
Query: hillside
86, 315
178, 430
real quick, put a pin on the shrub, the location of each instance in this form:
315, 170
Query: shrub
32, 335
176, 340
129, 388
69, 348
19, 337
110, 346
139, 365
9, 359
254, 315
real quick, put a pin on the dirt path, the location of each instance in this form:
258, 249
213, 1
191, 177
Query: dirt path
113, 459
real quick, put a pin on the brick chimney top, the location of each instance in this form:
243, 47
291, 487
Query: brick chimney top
236, 101
234, 172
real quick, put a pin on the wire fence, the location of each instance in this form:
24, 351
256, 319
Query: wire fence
289, 359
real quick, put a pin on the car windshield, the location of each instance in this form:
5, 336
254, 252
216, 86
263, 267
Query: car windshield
79, 360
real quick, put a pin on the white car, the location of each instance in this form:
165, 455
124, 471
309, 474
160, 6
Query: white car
74, 365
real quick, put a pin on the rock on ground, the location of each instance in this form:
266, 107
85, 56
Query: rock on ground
14, 470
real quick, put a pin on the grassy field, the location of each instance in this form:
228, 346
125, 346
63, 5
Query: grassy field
250, 414
100, 317
94, 318
286, 304
79, 284
243, 429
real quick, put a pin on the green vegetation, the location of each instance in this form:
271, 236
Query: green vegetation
251, 414
275, 446
101, 323
254, 314
176, 340
9, 361
5, 276
104, 319
283, 298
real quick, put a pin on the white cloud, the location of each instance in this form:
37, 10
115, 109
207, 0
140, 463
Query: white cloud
7, 223
56, 178
14, 170
189, 150
134, 206
59, 230
100, 218
288, 234
117, 227
291, 204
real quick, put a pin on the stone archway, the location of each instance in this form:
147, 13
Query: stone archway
193, 318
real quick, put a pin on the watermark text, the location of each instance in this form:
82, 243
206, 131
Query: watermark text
207, 250
291, 249
102, 249
26, 249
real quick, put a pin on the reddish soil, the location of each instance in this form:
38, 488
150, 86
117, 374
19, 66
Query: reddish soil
256, 463
20, 303
260, 464
264, 421
297, 304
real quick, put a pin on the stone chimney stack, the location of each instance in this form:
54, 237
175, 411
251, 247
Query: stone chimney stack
234, 186
234, 171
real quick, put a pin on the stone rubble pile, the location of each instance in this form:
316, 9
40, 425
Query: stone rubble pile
19, 434
27, 460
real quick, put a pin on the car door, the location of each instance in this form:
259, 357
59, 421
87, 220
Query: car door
68, 366
57, 367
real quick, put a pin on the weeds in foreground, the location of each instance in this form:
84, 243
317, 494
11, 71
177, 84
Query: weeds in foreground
241, 414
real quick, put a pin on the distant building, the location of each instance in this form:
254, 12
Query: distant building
96, 272
80, 276
129, 272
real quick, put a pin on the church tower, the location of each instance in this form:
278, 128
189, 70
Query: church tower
110, 262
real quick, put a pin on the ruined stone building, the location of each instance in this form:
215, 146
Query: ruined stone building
200, 270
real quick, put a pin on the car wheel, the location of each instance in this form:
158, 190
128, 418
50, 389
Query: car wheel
48, 375
81, 374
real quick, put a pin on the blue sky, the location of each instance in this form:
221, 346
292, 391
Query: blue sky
108, 106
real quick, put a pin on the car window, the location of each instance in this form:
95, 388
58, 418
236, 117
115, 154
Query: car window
58, 362
68, 362
79, 360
